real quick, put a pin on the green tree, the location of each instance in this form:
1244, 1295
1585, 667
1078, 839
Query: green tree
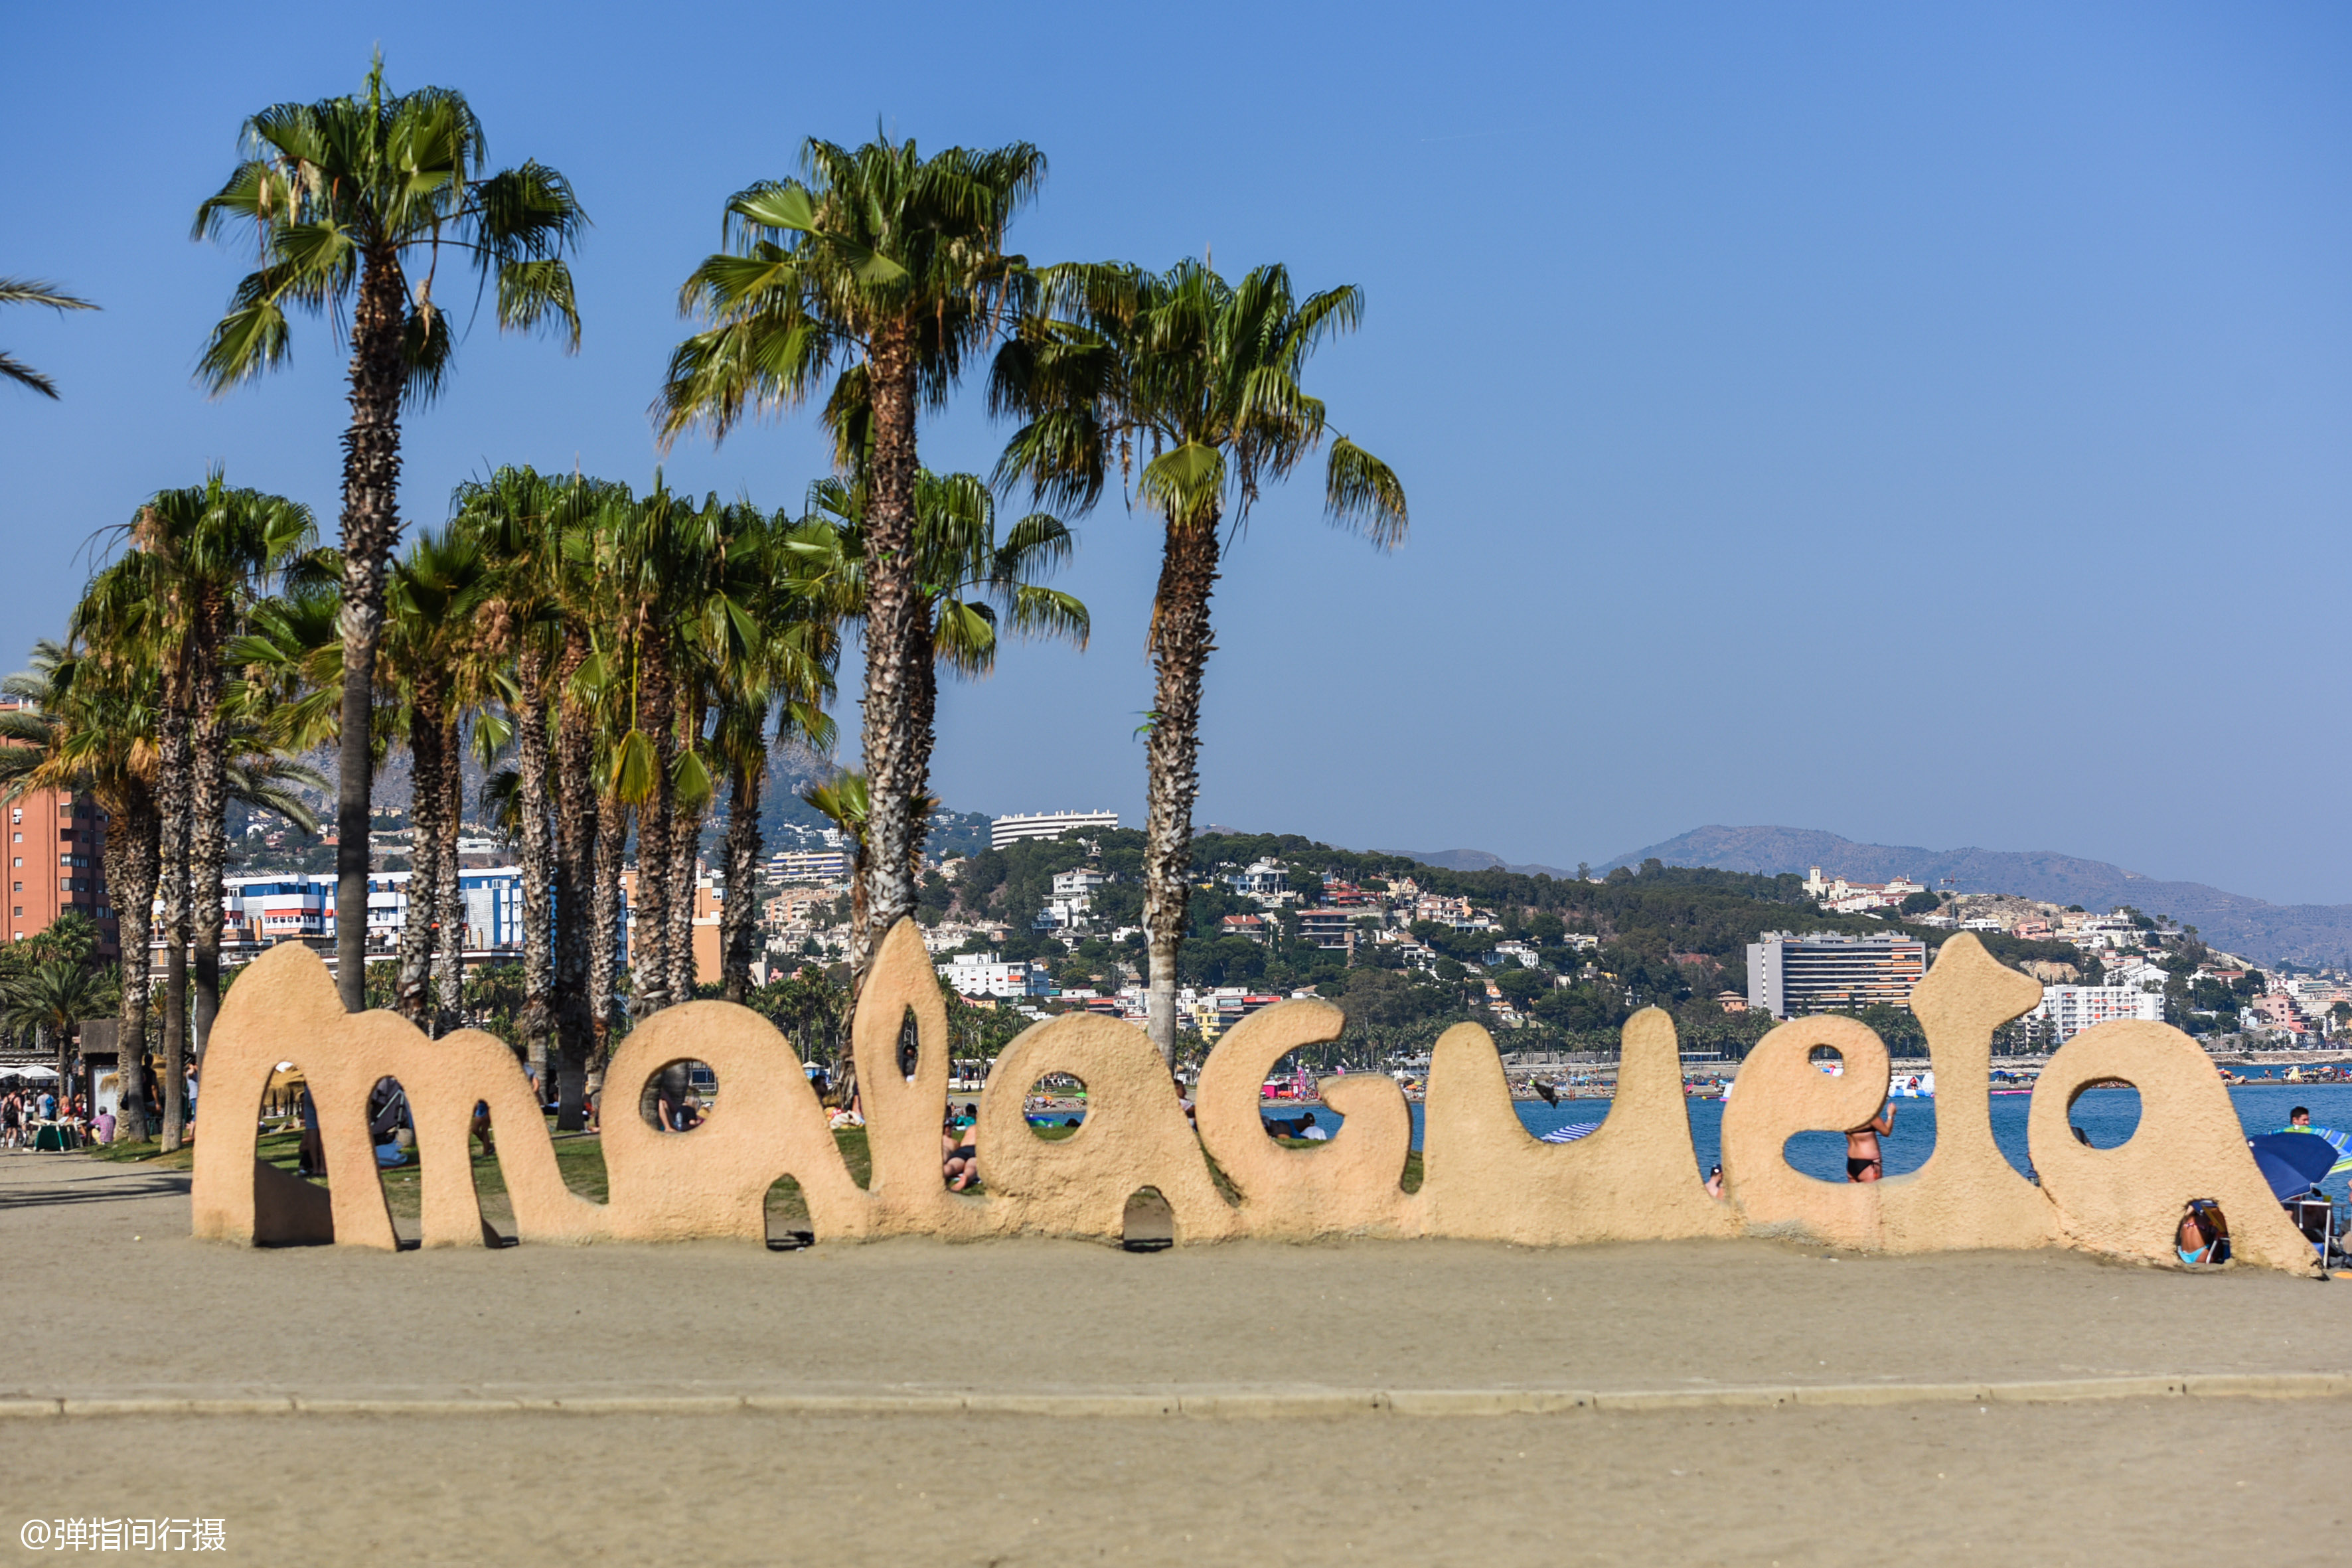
342, 199
200, 557
430, 656
78, 726
28, 291
50, 996
891, 266
520, 517
970, 582
1206, 374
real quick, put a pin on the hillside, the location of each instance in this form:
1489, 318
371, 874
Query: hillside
2313, 935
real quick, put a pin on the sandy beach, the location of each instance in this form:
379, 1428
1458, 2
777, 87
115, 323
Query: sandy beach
1994, 1407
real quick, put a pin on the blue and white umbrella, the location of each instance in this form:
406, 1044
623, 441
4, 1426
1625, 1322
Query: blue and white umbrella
1571, 1132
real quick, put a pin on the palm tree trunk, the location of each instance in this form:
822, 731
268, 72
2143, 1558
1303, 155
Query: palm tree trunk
1182, 641
684, 845
898, 647
413, 997
208, 849
449, 954
371, 523
131, 832
649, 911
738, 912
172, 771
604, 947
577, 921
530, 778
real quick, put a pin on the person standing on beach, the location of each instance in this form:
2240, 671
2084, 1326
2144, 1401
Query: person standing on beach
1865, 1161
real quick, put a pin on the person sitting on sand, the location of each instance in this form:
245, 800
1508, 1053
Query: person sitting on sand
959, 1160
1309, 1131
1864, 1159
2202, 1238
1715, 1183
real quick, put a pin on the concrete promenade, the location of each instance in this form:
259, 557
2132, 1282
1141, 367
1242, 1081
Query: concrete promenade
1040, 1402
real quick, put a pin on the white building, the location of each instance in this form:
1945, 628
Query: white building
808, 865
1851, 898
302, 906
1004, 830
1265, 880
2071, 1009
1080, 883
1791, 976
983, 975
2092, 931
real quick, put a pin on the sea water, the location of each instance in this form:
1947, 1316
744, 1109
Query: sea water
2108, 1115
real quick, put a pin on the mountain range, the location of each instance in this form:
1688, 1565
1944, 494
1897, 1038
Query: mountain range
2310, 935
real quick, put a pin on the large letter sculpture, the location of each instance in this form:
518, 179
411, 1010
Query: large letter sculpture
1634, 1179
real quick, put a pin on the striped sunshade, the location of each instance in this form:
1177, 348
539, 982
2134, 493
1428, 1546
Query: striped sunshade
1571, 1132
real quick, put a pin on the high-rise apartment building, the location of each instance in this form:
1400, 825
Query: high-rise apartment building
55, 845
1004, 830
2069, 1010
1789, 976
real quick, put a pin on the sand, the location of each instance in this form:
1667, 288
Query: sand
95, 1314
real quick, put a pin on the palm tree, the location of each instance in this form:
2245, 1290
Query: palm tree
891, 268
79, 726
436, 588
520, 516
27, 291
1206, 374
200, 557
966, 579
342, 196
649, 560
52, 995
586, 919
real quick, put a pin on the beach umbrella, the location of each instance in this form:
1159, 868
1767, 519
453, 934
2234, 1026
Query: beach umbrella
1571, 1132
2292, 1162
2339, 1141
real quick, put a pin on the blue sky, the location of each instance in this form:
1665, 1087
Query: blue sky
1922, 424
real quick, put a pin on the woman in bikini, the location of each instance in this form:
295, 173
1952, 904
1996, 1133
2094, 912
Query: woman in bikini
959, 1160
1864, 1159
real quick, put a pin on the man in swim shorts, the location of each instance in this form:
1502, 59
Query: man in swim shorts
1864, 1159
